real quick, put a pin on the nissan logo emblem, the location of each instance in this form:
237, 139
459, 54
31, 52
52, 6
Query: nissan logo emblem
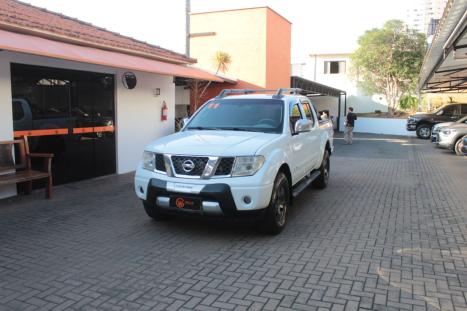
188, 166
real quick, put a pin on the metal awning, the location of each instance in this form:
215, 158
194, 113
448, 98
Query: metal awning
445, 65
23, 43
313, 89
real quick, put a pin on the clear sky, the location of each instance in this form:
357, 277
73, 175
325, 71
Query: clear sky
318, 26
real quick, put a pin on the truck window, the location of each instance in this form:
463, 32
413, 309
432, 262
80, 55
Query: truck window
450, 110
18, 112
307, 109
464, 109
247, 114
295, 115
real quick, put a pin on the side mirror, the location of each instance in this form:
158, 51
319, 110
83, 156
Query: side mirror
184, 122
303, 125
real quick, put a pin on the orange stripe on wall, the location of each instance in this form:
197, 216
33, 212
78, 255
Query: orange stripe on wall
45, 132
95, 129
78, 130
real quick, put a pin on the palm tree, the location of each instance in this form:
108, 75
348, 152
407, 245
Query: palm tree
222, 61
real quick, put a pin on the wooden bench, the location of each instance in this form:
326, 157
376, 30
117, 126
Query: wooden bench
18, 169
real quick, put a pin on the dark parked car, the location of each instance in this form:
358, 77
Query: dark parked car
423, 122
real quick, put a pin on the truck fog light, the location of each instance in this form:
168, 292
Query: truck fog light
247, 199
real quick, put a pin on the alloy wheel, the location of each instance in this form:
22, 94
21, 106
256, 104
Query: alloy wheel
280, 205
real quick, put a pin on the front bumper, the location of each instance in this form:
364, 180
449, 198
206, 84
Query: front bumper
446, 141
411, 126
216, 199
219, 196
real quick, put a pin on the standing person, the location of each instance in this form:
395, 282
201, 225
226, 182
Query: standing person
349, 125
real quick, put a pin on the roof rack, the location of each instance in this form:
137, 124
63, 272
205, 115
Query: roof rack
279, 92
226, 92
294, 91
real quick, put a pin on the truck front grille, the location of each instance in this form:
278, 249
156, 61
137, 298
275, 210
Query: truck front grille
225, 166
160, 164
191, 166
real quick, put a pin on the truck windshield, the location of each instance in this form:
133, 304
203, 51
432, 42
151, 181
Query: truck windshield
253, 115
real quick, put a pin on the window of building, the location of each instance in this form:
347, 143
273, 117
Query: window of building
334, 67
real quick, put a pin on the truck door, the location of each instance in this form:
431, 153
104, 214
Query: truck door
298, 146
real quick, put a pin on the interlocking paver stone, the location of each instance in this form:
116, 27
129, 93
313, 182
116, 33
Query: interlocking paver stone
389, 233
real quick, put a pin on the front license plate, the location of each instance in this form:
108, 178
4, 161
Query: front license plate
185, 203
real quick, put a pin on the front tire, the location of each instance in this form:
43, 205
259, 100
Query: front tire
458, 147
154, 212
323, 179
276, 213
424, 131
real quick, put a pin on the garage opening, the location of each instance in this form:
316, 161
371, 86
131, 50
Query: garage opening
68, 113
325, 98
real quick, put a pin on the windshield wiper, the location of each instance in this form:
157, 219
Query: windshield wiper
241, 129
200, 128
233, 129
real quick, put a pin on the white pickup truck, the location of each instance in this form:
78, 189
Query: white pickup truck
238, 154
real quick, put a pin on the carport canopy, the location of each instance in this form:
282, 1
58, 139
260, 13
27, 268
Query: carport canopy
23, 43
445, 65
314, 89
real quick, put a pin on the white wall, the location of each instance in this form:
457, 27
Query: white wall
382, 126
313, 69
328, 103
138, 111
6, 116
139, 117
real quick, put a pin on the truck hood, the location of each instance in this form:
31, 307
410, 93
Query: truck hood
443, 124
421, 115
212, 143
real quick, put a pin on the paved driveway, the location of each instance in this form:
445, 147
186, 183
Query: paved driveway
388, 233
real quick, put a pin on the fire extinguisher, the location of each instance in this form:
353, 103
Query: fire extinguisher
164, 111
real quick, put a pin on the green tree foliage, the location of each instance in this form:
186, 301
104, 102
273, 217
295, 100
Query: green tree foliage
408, 103
388, 61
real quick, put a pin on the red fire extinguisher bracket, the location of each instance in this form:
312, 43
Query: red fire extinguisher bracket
164, 111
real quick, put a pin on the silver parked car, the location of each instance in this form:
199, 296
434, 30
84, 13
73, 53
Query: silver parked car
437, 127
449, 136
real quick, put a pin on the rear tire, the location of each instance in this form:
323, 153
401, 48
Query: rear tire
323, 179
154, 212
424, 131
275, 218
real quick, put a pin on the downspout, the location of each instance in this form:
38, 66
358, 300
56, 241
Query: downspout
187, 27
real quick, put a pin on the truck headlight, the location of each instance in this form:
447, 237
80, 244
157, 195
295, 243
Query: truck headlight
247, 166
148, 161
